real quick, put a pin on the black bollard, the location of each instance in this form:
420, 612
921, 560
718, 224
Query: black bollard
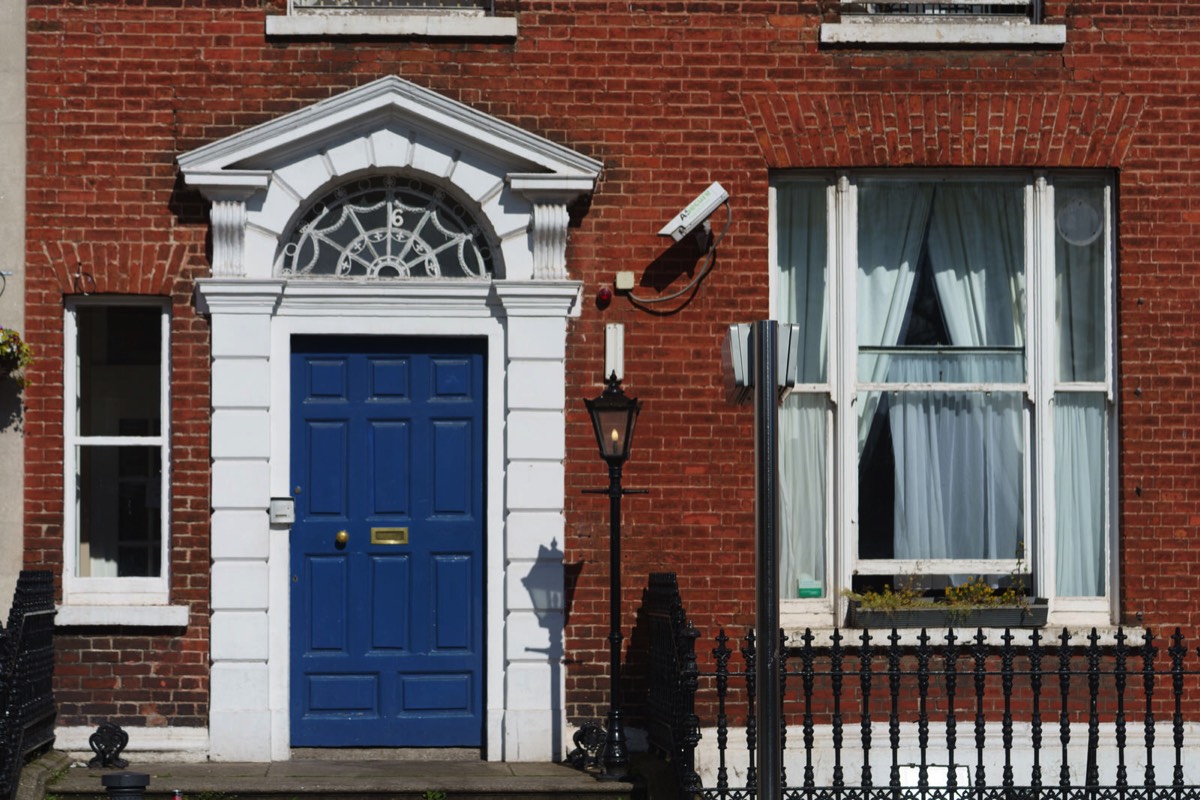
125, 785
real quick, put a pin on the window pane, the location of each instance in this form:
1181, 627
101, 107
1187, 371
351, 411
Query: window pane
941, 264
951, 365
802, 434
119, 370
1080, 469
120, 527
941, 475
1079, 250
802, 258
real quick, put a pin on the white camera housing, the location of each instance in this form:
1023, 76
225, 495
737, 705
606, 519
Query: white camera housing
695, 212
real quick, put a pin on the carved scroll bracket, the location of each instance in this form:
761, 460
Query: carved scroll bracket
550, 194
228, 191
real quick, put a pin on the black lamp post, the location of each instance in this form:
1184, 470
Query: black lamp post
613, 416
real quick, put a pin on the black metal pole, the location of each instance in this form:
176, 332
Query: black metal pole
616, 754
766, 515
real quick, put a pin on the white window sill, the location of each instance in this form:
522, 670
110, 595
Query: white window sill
124, 616
425, 25
868, 31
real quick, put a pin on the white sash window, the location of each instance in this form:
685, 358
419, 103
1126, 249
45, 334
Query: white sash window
957, 413
116, 452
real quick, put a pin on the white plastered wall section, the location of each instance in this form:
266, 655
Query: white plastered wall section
519, 186
12, 299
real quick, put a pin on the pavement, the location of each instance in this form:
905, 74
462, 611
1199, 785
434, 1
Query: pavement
359, 779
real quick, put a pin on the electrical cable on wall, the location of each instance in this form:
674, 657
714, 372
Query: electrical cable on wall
710, 260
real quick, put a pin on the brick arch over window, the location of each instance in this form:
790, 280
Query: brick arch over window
869, 129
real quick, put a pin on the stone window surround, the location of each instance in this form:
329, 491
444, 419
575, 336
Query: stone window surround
867, 32
424, 23
132, 601
520, 185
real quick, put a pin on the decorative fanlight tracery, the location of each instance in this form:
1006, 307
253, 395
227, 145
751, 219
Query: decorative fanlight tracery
386, 227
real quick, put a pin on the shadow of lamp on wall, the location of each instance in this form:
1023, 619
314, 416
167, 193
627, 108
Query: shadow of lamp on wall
545, 582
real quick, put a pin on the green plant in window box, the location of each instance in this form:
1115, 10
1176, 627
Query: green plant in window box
15, 354
973, 603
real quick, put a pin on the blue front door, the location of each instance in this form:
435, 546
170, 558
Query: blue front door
387, 546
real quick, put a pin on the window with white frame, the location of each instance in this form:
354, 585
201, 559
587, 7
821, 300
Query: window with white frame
116, 451
965, 10
956, 413
1002, 23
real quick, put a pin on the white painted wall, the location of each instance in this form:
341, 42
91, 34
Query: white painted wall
12, 301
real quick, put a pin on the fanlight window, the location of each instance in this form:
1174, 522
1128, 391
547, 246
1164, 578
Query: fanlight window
389, 227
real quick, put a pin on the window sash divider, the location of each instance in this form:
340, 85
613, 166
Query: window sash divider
118, 441
949, 388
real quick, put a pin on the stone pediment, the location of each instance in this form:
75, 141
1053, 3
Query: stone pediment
516, 183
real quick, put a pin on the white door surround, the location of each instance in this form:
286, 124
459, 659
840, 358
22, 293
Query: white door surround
516, 185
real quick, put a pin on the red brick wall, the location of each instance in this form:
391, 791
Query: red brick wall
669, 96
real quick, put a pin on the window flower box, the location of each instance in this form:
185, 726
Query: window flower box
930, 613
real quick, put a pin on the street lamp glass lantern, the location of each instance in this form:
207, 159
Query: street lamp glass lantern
613, 416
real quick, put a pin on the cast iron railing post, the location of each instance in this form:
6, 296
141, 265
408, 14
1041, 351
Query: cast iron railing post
721, 655
1006, 724
923, 655
865, 654
835, 671
893, 671
979, 654
1148, 654
951, 665
807, 676
749, 659
1092, 775
1121, 679
1035, 682
1177, 652
1064, 715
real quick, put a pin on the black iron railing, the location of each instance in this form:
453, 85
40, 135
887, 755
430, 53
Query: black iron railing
875, 715
27, 708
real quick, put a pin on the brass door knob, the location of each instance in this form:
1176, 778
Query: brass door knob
342, 537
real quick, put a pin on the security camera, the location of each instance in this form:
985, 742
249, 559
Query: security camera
695, 213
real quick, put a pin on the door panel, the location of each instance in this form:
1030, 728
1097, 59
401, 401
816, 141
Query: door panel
387, 628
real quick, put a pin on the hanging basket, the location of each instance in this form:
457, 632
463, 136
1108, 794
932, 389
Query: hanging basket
15, 354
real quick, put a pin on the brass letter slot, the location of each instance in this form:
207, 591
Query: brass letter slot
389, 535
